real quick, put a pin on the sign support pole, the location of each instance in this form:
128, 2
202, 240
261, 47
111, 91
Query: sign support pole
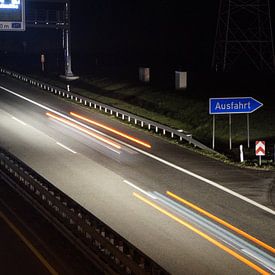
248, 131
66, 35
213, 138
230, 132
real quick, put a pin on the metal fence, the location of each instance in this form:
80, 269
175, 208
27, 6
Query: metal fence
111, 252
123, 115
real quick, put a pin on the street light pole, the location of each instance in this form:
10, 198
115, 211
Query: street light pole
67, 45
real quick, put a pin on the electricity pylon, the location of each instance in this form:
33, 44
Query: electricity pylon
244, 36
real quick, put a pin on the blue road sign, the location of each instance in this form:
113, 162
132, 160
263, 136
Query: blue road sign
12, 15
236, 105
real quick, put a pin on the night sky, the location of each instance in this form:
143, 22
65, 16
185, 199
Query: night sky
178, 34
171, 31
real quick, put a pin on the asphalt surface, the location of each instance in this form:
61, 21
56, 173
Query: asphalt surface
31, 245
15, 257
96, 176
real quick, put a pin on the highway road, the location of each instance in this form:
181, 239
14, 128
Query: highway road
124, 180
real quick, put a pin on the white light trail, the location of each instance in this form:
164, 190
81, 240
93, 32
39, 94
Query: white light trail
165, 162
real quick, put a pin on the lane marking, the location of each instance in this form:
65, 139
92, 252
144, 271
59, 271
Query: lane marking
54, 111
61, 119
111, 130
140, 189
65, 147
213, 229
203, 235
88, 138
210, 182
29, 245
18, 120
220, 221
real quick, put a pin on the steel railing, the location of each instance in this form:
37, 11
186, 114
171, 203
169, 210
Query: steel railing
110, 251
121, 114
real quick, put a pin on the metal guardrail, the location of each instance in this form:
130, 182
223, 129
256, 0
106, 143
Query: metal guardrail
131, 118
96, 240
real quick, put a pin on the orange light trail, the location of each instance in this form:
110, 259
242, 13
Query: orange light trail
203, 235
220, 221
111, 130
82, 129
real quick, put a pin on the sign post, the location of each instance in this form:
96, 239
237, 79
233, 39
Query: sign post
231, 105
230, 132
213, 137
12, 15
260, 150
248, 131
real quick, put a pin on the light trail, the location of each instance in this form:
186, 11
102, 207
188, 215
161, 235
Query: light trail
83, 130
139, 189
111, 130
163, 161
220, 221
202, 234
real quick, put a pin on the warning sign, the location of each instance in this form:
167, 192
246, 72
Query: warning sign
260, 148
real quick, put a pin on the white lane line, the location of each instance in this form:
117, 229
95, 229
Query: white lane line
139, 189
53, 111
86, 136
65, 147
210, 182
18, 120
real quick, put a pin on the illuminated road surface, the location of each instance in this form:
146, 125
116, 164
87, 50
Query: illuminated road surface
103, 178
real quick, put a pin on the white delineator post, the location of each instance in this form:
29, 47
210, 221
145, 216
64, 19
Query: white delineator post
241, 153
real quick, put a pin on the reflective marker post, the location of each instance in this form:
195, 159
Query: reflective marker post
241, 153
260, 150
